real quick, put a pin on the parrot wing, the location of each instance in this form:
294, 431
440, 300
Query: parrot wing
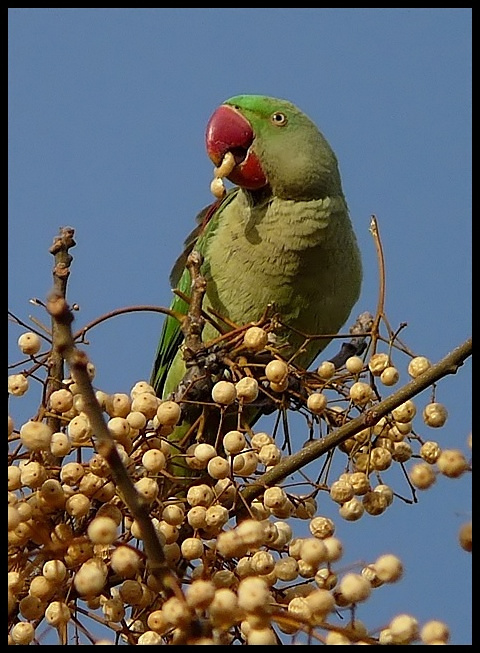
171, 337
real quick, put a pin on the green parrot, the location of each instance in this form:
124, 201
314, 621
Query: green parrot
282, 235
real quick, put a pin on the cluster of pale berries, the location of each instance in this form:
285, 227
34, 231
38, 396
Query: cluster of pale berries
243, 577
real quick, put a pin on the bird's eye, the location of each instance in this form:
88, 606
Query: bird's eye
279, 118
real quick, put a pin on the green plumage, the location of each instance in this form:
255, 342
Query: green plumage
289, 243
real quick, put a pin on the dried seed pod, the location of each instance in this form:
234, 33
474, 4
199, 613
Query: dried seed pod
255, 338
223, 392
17, 384
276, 371
355, 588
36, 436
317, 402
247, 389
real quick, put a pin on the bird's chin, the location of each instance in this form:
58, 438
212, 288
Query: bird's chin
248, 173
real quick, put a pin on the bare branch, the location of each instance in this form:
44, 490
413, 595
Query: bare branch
81, 333
61, 271
77, 360
448, 365
194, 322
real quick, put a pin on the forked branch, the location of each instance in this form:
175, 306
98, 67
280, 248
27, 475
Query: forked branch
448, 365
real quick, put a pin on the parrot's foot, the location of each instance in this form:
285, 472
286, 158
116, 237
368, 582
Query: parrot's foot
358, 343
353, 348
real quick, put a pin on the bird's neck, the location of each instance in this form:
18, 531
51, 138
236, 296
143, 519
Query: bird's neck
263, 196
257, 198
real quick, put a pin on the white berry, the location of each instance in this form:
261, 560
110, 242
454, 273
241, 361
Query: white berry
29, 343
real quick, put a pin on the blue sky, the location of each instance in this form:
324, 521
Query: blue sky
107, 113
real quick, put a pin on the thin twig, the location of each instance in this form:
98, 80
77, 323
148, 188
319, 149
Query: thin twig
382, 280
207, 316
193, 324
81, 333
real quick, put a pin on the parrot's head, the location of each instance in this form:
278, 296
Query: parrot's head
273, 144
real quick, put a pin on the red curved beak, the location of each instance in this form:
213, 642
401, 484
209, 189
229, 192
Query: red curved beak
229, 131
